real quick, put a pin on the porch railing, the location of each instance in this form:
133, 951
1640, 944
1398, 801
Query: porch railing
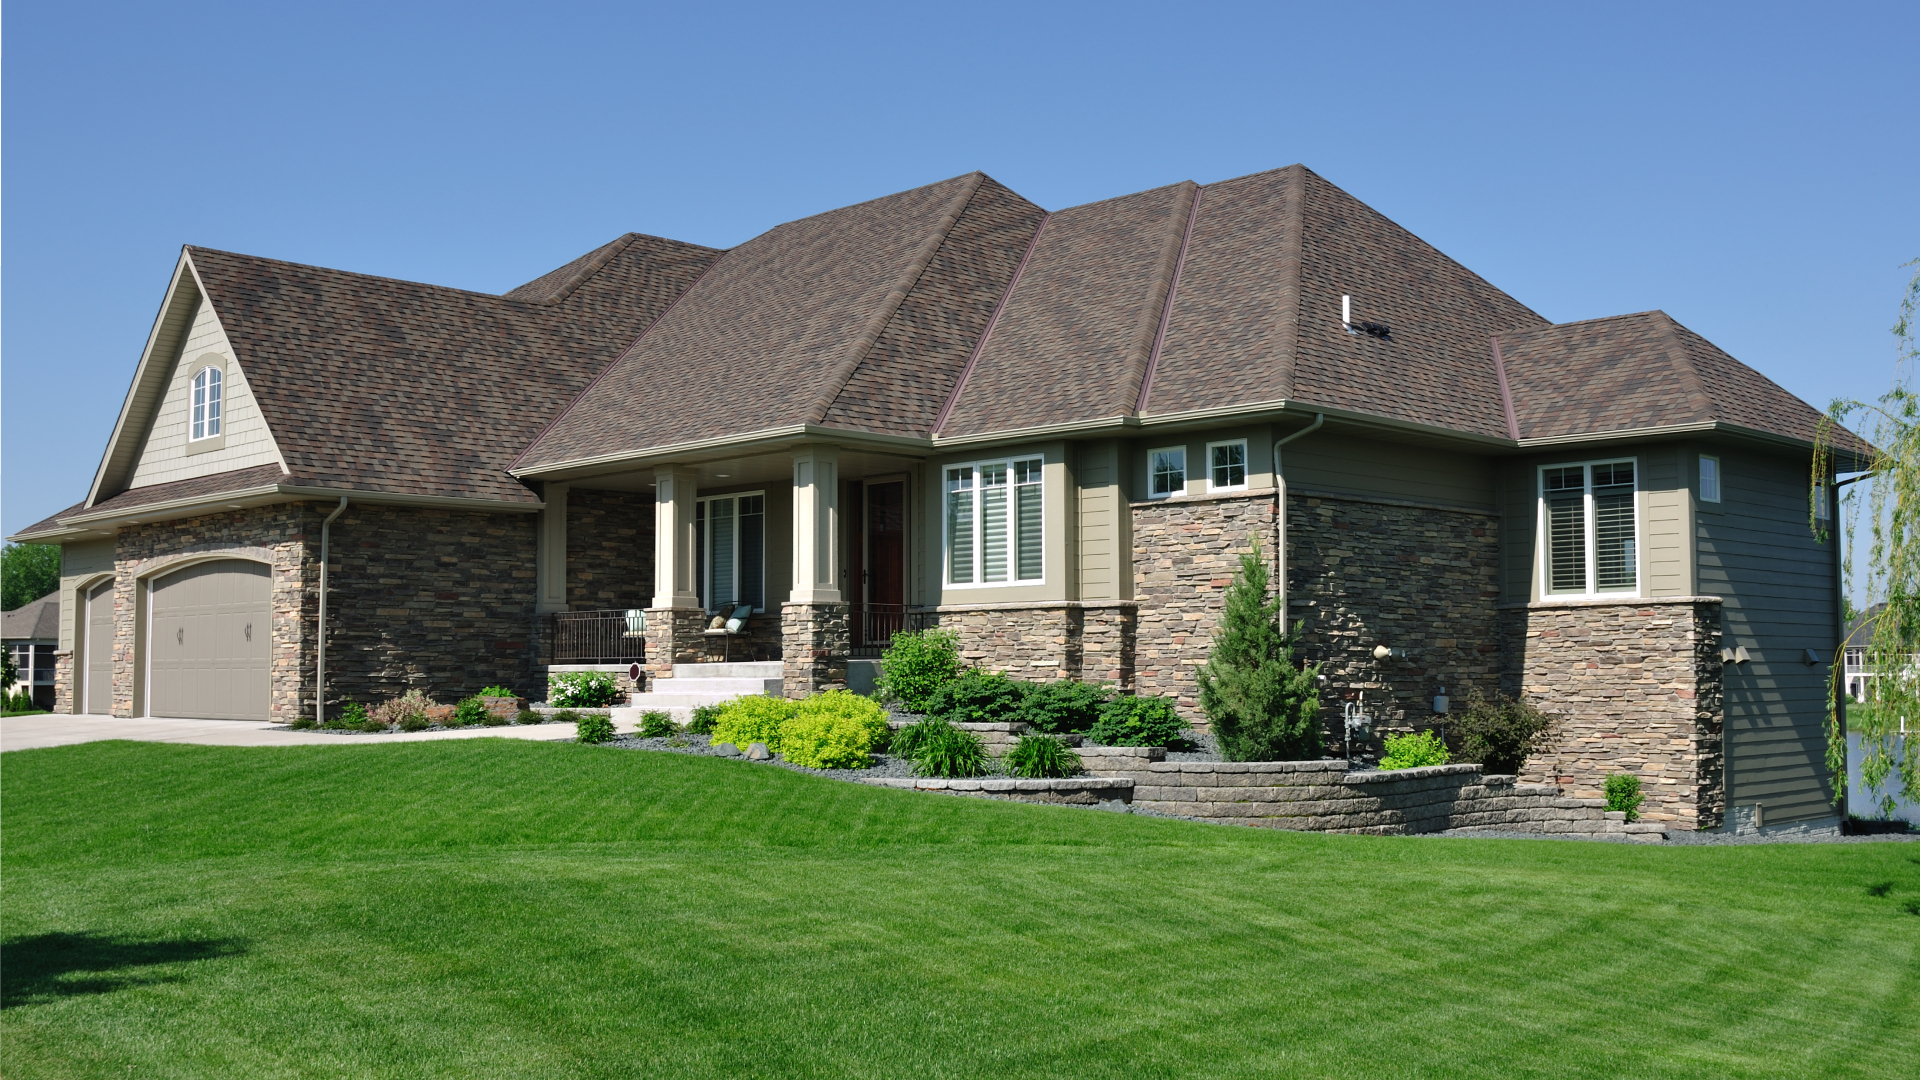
597, 637
875, 624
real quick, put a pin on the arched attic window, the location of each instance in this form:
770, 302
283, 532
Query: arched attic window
206, 403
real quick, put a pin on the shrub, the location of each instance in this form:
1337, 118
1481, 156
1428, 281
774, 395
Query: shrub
834, 730
352, 716
704, 717
916, 664
1623, 793
582, 690
1063, 706
1499, 733
593, 728
906, 742
496, 691
470, 712
1262, 706
1138, 721
945, 750
301, 724
415, 722
528, 716
397, 712
494, 719
1041, 755
753, 719
978, 697
1414, 751
565, 716
655, 724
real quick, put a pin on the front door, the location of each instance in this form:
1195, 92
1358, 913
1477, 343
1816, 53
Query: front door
885, 551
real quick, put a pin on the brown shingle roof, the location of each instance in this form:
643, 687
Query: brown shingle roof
199, 487
35, 620
369, 383
772, 334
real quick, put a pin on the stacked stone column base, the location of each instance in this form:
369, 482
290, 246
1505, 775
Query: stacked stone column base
674, 636
814, 646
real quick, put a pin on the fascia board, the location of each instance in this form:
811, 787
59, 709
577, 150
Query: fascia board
763, 441
182, 269
273, 493
59, 535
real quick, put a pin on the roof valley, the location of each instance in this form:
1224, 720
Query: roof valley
1166, 309
980, 345
1151, 328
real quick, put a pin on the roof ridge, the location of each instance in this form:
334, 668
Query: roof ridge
1154, 312
356, 273
1292, 261
980, 345
614, 363
1649, 313
1166, 309
596, 261
1682, 362
890, 304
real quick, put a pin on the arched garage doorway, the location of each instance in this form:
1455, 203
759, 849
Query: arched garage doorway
211, 642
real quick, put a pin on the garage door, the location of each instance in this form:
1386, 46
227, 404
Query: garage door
96, 683
212, 642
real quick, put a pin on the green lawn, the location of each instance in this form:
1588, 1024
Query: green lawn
494, 908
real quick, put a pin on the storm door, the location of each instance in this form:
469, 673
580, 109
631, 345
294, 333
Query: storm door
883, 548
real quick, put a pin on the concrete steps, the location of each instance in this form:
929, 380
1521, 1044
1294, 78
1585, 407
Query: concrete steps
694, 685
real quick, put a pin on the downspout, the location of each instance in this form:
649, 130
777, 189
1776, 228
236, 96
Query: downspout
1280, 519
320, 642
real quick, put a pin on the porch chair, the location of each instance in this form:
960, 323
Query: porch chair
736, 625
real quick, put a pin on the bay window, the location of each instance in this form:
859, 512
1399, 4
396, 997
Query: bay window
730, 549
993, 522
1589, 530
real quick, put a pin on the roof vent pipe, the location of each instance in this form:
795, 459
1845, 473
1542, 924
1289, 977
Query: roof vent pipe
1280, 520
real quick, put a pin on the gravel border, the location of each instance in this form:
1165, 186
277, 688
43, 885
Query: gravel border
397, 731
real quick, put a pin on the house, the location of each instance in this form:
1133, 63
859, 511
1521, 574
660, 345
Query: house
31, 632
1054, 432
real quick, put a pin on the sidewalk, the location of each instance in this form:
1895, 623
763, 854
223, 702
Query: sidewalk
34, 732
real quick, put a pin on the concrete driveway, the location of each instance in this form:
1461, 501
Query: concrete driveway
33, 732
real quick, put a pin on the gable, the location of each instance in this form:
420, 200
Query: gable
168, 452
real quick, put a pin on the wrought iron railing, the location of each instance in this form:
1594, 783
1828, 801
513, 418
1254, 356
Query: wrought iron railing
597, 637
875, 624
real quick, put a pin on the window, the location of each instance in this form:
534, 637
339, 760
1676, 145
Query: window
1709, 479
1821, 504
1166, 472
1588, 528
206, 403
1228, 461
994, 526
730, 550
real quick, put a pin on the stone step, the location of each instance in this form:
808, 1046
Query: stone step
734, 687
757, 669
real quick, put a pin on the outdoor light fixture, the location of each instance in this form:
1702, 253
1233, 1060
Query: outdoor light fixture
1440, 702
1382, 652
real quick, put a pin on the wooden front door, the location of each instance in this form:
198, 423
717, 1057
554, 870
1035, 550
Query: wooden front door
884, 547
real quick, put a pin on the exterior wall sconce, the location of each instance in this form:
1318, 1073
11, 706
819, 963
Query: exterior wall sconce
1440, 703
1381, 652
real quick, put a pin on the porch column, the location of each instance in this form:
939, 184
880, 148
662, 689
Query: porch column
550, 551
813, 621
673, 495
676, 618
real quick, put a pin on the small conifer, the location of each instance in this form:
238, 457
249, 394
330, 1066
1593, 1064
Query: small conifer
1261, 705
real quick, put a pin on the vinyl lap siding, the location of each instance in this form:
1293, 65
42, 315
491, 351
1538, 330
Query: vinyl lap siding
1664, 502
1106, 557
77, 563
1755, 551
1363, 466
248, 443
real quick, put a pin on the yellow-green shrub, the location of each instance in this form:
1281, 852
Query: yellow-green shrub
834, 730
748, 720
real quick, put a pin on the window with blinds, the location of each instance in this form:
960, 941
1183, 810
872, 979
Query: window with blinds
1589, 529
994, 522
730, 550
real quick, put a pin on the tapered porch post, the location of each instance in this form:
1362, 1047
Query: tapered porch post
676, 619
813, 621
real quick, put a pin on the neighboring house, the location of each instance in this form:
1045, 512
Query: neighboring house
31, 632
1859, 675
1054, 432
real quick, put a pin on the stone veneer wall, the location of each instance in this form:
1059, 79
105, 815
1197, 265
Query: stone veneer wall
440, 600
1093, 641
815, 642
63, 682
1185, 552
285, 536
1369, 572
1637, 684
674, 637
609, 550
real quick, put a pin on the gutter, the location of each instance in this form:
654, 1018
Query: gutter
320, 637
1280, 518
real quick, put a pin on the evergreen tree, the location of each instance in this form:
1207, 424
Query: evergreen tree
1262, 707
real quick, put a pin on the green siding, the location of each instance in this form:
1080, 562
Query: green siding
1755, 551
1365, 466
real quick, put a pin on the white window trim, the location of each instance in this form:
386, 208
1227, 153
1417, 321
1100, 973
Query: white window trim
706, 556
1186, 472
1013, 526
1542, 541
193, 387
1719, 479
1246, 465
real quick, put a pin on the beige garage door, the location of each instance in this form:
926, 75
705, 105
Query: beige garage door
96, 640
212, 642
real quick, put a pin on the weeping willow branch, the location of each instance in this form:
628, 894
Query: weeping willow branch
1888, 761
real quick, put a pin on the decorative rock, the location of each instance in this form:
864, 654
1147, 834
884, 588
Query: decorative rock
727, 749
759, 752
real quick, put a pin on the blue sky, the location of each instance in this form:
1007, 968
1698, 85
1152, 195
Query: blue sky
1749, 168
